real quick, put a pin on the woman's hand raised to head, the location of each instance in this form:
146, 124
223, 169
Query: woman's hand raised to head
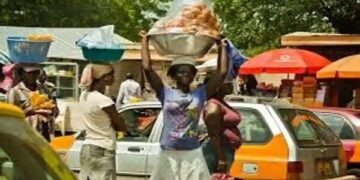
222, 68
152, 77
145, 52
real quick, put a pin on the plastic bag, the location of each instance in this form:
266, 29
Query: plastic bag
235, 61
101, 38
190, 17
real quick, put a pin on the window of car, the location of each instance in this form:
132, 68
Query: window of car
338, 125
253, 128
307, 128
139, 123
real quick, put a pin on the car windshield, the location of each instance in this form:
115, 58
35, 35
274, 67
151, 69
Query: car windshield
307, 128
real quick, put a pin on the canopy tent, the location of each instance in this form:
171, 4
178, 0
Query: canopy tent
285, 60
63, 45
346, 68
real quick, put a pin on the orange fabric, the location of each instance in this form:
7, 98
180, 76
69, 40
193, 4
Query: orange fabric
347, 67
63, 142
286, 60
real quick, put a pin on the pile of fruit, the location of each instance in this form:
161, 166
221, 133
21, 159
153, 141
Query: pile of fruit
40, 38
40, 101
194, 19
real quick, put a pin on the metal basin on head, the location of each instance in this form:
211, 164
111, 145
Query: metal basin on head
174, 45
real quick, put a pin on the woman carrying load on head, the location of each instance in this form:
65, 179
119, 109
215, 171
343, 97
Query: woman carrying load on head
97, 155
181, 154
20, 95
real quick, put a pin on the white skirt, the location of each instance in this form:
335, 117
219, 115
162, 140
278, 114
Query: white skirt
181, 165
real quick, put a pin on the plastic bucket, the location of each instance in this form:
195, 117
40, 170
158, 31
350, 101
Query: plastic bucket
102, 55
23, 51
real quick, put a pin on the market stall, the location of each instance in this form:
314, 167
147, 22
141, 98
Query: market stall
342, 82
304, 64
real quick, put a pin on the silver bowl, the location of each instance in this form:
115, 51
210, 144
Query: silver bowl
174, 45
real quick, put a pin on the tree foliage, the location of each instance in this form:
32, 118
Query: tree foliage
257, 25
253, 25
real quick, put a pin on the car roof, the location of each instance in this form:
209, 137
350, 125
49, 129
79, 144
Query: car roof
335, 109
338, 110
276, 104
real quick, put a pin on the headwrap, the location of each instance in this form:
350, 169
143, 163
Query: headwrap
91, 72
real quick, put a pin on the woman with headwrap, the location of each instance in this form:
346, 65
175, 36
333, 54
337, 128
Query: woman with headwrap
97, 156
181, 157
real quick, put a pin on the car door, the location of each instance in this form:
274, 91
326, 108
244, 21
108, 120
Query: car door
132, 150
257, 158
155, 148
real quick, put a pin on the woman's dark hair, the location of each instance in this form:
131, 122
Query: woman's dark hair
175, 68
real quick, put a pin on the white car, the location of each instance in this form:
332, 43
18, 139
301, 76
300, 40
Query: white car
263, 126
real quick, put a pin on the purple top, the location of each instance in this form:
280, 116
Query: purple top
181, 118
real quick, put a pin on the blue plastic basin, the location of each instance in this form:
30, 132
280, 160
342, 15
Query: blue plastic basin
23, 51
102, 55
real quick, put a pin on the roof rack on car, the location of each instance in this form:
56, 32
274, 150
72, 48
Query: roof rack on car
258, 100
248, 99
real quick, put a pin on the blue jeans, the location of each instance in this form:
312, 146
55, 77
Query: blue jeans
212, 159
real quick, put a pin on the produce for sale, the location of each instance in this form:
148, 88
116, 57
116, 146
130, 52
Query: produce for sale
40, 101
193, 18
40, 38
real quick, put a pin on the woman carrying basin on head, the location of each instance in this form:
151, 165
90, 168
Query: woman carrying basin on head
97, 156
20, 95
181, 156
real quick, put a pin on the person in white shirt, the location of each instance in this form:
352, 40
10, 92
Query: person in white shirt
97, 156
129, 88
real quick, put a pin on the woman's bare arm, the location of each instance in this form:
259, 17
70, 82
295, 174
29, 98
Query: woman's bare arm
222, 68
153, 78
117, 122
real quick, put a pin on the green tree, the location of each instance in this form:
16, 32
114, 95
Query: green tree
257, 25
253, 25
343, 15
125, 14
